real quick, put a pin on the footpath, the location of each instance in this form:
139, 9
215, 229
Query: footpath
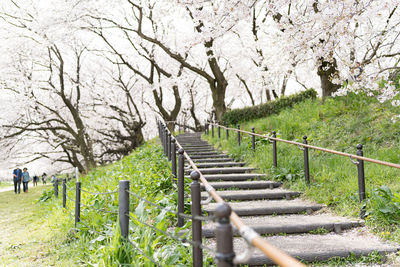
303, 229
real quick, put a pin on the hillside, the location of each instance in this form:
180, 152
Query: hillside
340, 124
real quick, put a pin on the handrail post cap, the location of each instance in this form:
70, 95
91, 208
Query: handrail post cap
173, 140
181, 151
359, 146
195, 175
253, 129
223, 210
305, 137
273, 132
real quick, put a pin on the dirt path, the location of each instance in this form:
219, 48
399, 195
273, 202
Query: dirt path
11, 188
25, 236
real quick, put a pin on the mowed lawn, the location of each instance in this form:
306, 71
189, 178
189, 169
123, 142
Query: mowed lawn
26, 237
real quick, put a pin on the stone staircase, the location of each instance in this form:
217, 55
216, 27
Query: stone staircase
299, 227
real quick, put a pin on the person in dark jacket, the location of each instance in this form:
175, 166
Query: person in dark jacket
17, 175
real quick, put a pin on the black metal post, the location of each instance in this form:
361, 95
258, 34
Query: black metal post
253, 140
306, 164
181, 186
64, 190
225, 253
123, 204
196, 224
173, 158
165, 141
238, 135
56, 188
212, 130
361, 178
206, 128
227, 134
219, 131
274, 154
169, 146
77, 202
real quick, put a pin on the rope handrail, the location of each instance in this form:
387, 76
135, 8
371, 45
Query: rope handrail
252, 237
381, 162
178, 214
101, 210
99, 193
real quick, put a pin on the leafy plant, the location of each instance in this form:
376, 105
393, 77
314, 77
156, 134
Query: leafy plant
46, 195
384, 206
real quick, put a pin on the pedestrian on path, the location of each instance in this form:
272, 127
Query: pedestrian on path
17, 175
25, 179
35, 180
44, 177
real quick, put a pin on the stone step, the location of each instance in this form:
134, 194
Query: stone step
195, 150
220, 164
224, 170
254, 194
292, 224
314, 248
209, 156
208, 160
192, 143
269, 207
234, 177
244, 185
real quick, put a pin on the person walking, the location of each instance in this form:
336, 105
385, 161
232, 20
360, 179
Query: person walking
35, 180
17, 175
44, 177
25, 179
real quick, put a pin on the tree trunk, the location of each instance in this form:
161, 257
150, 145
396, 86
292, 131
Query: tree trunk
326, 72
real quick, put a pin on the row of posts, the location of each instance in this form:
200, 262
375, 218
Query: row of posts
359, 163
224, 236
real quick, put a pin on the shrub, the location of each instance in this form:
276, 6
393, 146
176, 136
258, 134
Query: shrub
249, 113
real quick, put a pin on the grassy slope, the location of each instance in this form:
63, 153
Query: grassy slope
97, 241
338, 124
27, 237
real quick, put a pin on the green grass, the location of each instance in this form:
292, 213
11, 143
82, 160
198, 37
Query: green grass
5, 184
28, 236
96, 241
340, 124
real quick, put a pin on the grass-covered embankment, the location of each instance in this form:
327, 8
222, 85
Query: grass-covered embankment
97, 242
338, 123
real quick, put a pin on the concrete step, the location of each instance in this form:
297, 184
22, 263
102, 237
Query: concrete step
202, 150
209, 156
187, 143
224, 170
292, 224
245, 185
209, 160
314, 248
269, 207
234, 177
254, 194
220, 164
